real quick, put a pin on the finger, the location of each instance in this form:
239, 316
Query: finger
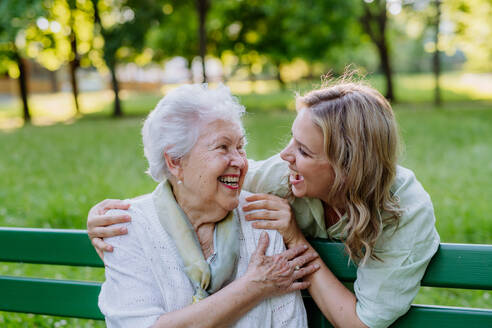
262, 244
105, 232
298, 274
298, 285
101, 254
259, 196
106, 220
303, 259
267, 225
115, 204
263, 215
294, 251
101, 246
263, 204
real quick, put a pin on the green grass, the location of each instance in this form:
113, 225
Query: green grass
51, 176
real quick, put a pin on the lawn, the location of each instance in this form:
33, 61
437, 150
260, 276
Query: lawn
51, 176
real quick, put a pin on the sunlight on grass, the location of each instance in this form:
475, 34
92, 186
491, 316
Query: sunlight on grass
48, 109
477, 86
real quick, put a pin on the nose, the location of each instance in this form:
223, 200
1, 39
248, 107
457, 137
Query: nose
238, 160
287, 154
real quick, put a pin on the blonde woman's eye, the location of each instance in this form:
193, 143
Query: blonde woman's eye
303, 153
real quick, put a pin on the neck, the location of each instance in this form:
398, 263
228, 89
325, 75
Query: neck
332, 214
198, 213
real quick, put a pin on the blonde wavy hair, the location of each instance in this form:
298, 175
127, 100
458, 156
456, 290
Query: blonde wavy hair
362, 144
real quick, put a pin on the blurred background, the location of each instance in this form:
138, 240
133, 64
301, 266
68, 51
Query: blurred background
77, 78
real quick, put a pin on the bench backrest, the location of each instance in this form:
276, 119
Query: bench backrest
454, 266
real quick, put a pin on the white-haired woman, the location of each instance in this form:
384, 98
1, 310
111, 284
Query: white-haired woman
340, 173
189, 256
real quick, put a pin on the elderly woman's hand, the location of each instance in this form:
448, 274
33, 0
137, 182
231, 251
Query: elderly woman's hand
273, 213
279, 274
100, 224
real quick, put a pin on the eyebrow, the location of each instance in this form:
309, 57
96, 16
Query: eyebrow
218, 139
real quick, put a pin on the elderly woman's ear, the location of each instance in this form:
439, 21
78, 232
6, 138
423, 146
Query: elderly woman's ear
174, 166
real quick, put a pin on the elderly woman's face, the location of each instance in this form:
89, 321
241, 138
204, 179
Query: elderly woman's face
214, 170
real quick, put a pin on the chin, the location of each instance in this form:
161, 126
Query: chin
298, 193
230, 206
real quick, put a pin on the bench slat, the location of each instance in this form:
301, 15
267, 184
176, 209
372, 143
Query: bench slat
47, 246
50, 297
418, 316
453, 266
79, 299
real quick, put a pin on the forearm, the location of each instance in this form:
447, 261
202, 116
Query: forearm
220, 309
333, 299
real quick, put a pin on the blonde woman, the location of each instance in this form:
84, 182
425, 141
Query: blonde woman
340, 178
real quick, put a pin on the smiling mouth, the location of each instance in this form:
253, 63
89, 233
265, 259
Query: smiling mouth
230, 181
295, 178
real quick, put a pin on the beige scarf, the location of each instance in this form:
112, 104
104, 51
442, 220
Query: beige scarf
206, 276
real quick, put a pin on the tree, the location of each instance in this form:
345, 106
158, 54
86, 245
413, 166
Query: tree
470, 32
177, 33
17, 16
436, 62
374, 20
123, 25
283, 31
203, 7
74, 62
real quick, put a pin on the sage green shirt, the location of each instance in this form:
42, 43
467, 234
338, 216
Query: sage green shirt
384, 289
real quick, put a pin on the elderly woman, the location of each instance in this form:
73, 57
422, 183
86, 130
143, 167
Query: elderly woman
189, 256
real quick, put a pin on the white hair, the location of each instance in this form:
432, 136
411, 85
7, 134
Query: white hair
174, 124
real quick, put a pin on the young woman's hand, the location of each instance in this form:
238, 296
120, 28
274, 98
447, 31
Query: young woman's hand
100, 224
274, 213
279, 273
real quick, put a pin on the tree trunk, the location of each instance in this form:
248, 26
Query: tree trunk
117, 112
281, 81
252, 78
374, 24
202, 6
436, 62
23, 86
111, 63
54, 81
74, 64
75, 88
387, 71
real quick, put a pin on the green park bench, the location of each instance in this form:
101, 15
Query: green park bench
454, 266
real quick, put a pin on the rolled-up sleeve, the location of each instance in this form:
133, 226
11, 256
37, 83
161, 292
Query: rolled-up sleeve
130, 295
385, 289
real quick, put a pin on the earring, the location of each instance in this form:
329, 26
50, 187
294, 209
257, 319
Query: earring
180, 182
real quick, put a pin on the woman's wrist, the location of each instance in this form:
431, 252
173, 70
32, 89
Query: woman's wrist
297, 240
251, 286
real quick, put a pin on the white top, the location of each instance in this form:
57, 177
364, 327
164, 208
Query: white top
384, 289
145, 276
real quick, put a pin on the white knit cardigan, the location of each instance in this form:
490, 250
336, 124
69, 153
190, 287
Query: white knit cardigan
145, 276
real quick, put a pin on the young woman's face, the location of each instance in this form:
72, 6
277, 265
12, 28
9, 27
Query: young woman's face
311, 174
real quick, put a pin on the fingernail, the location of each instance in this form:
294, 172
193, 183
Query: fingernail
124, 230
316, 266
305, 246
109, 249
